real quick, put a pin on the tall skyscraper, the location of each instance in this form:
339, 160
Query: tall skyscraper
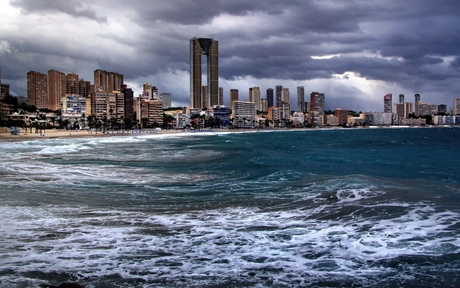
108, 81
77, 86
317, 101
251, 95
278, 91
401, 98
56, 89
129, 104
417, 98
233, 96
256, 97
387, 103
37, 89
210, 48
285, 96
300, 98
270, 97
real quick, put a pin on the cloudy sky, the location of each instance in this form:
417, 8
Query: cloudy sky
353, 51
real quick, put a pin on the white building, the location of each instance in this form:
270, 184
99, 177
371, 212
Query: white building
244, 114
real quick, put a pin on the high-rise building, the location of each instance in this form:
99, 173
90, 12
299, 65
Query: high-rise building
401, 98
403, 109
233, 96
300, 98
416, 98
263, 105
285, 111
151, 112
37, 89
150, 92
210, 48
244, 114
274, 113
387, 103
57, 84
456, 107
108, 81
77, 86
256, 97
129, 103
270, 97
221, 96
99, 104
442, 109
425, 109
317, 101
285, 96
4, 90
278, 91
250, 95
166, 99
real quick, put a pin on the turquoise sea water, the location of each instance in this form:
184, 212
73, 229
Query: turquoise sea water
322, 208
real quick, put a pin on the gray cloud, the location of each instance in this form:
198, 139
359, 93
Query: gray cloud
70, 7
396, 43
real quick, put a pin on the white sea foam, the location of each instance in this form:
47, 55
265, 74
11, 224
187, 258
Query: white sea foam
230, 241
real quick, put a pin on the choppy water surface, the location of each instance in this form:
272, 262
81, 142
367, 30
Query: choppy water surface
323, 208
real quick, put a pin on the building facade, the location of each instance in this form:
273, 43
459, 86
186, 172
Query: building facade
37, 89
270, 97
456, 108
342, 116
233, 96
57, 89
243, 114
278, 92
166, 99
210, 48
108, 81
387, 103
300, 99
317, 101
285, 96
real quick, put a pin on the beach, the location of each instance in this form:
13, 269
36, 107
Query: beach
55, 133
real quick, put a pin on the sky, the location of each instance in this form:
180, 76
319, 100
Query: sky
353, 51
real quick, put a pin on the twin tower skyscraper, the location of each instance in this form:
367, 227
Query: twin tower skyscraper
198, 95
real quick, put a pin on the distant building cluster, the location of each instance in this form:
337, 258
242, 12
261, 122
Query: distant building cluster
108, 100
111, 102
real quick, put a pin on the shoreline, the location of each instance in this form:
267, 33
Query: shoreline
63, 134
60, 134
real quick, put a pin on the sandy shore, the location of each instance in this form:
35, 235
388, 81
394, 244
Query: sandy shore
23, 135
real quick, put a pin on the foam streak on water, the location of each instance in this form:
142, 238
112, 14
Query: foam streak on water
231, 210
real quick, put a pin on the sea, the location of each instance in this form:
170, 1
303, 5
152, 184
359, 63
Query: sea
316, 208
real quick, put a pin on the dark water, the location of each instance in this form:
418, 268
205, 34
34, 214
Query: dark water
323, 208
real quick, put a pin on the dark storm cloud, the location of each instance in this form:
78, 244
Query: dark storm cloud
70, 7
398, 42
198, 12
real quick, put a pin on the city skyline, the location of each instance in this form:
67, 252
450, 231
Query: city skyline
354, 53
